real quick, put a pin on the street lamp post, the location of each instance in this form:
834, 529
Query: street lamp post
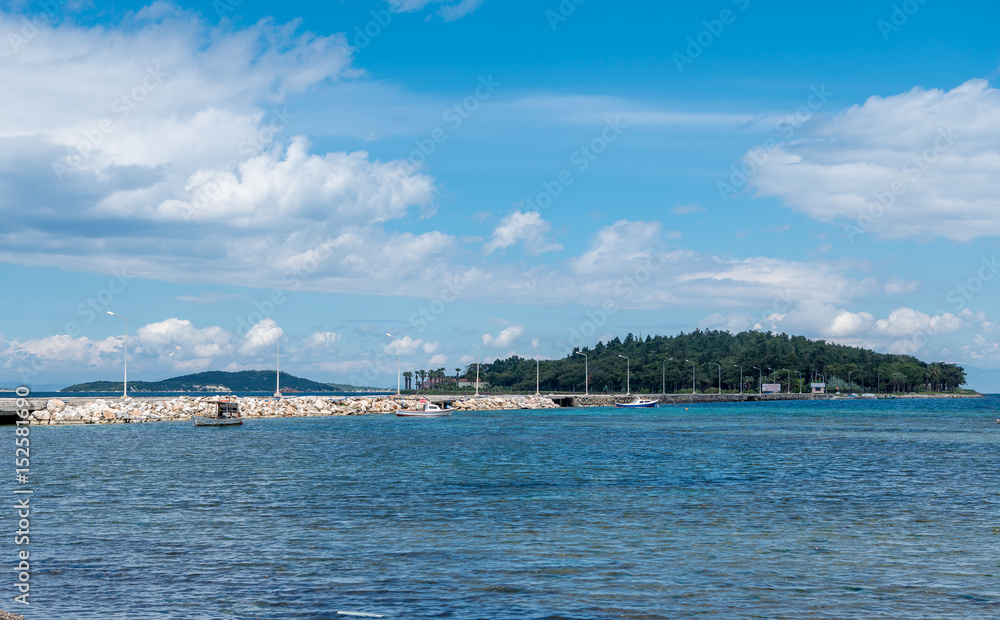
277, 371
741, 378
664, 387
628, 375
586, 373
398, 344
125, 383
536, 372
760, 379
720, 377
479, 357
770, 376
789, 379
849, 380
693, 390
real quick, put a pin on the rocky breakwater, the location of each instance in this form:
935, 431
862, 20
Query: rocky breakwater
497, 403
133, 410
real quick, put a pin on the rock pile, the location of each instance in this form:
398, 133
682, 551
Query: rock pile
130, 410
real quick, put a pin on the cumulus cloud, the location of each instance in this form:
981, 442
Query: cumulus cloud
903, 331
261, 337
62, 348
176, 339
198, 147
910, 322
505, 338
437, 360
407, 345
918, 164
527, 228
321, 340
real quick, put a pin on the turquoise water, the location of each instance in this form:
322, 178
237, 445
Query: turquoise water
758, 510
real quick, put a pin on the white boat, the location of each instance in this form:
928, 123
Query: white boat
638, 402
227, 413
428, 410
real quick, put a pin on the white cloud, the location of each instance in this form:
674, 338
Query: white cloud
918, 164
42, 352
277, 189
734, 323
430, 347
618, 245
909, 322
262, 337
527, 228
321, 340
406, 346
178, 340
505, 338
438, 360
898, 286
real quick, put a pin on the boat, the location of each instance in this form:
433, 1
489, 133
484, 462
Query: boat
638, 402
227, 413
427, 410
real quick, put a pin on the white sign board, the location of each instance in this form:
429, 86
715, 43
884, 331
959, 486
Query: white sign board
772, 388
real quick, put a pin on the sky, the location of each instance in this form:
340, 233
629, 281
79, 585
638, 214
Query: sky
481, 178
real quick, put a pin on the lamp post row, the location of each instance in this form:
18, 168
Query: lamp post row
586, 378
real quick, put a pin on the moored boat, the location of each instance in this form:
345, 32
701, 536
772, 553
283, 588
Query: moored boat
638, 402
227, 413
428, 410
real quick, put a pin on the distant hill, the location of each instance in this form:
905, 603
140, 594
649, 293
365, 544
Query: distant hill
220, 381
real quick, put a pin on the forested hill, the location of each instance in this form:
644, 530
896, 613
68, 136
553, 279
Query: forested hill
778, 355
216, 381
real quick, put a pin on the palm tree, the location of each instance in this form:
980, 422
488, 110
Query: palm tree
421, 374
408, 376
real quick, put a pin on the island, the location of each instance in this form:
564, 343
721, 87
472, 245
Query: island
218, 381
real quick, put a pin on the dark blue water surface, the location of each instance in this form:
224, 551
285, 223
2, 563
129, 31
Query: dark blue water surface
759, 510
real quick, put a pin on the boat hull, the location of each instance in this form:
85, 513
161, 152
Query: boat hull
203, 421
646, 405
406, 413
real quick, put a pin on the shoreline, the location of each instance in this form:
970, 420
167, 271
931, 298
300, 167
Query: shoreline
89, 410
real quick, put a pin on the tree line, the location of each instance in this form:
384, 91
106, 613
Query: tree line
671, 363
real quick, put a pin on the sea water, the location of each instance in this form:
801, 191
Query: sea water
815, 509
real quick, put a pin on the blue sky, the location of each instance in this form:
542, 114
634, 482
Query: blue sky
521, 176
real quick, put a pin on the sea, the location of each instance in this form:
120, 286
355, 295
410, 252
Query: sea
802, 509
